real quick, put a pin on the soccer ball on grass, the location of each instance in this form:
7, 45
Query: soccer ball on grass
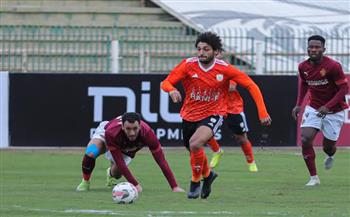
124, 193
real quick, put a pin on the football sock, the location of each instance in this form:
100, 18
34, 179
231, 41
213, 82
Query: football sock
214, 145
87, 166
309, 158
248, 151
206, 168
197, 159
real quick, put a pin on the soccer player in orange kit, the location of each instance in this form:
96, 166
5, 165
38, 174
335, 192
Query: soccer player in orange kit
237, 123
206, 81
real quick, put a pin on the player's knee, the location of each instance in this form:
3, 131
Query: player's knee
306, 140
92, 151
330, 150
195, 145
240, 139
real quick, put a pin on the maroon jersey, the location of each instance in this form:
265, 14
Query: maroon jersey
118, 144
323, 81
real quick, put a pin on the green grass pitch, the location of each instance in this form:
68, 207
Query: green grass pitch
42, 183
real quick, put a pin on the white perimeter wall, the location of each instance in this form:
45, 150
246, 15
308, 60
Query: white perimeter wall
4, 109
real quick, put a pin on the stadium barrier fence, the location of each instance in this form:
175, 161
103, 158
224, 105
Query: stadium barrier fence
62, 49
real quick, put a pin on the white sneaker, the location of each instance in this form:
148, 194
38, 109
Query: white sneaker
328, 162
314, 180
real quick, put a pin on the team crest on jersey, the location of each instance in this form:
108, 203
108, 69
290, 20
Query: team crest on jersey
219, 77
323, 72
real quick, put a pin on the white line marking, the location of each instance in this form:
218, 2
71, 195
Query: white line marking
132, 213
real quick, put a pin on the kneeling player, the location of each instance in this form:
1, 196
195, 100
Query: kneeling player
123, 137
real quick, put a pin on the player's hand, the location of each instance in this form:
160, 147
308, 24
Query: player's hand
322, 112
232, 87
295, 112
175, 95
139, 188
266, 121
178, 189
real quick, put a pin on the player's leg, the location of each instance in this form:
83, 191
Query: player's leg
199, 162
246, 146
95, 148
332, 124
218, 152
329, 148
188, 129
113, 172
310, 126
237, 123
307, 136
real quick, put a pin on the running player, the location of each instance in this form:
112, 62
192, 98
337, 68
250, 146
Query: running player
327, 84
206, 81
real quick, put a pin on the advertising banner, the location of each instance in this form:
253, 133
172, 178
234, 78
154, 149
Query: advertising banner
64, 109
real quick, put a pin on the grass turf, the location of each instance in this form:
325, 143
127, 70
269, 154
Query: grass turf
42, 183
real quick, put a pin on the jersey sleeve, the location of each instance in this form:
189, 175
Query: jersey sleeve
153, 143
302, 86
119, 159
342, 83
177, 74
245, 81
338, 75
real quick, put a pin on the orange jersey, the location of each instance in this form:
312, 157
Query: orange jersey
235, 101
206, 90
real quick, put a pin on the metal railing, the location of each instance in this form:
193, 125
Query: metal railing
149, 49
282, 54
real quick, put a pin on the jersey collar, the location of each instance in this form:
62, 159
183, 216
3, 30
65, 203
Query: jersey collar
207, 69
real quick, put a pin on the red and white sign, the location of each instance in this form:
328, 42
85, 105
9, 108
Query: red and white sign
344, 139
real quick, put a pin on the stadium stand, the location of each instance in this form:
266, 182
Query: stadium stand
75, 36
153, 35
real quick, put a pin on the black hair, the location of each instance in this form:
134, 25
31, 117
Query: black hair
131, 117
210, 38
317, 38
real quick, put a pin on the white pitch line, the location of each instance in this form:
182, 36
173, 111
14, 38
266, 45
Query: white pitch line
133, 213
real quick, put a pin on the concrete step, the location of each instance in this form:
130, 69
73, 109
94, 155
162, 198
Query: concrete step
80, 15
69, 3
53, 32
57, 65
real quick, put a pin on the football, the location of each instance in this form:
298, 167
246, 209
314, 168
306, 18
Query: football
124, 193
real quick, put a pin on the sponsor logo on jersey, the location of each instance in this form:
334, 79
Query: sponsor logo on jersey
204, 95
317, 82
